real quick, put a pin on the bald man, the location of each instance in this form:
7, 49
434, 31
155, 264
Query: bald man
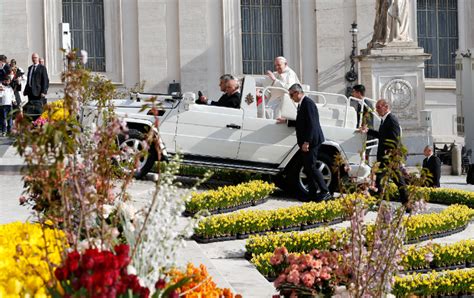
432, 164
389, 135
36, 87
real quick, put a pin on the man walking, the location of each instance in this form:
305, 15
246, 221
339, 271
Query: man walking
309, 136
389, 136
433, 165
36, 87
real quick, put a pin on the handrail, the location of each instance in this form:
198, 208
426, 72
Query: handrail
322, 94
365, 106
269, 88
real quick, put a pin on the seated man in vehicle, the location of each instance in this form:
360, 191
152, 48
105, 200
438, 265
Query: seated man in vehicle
282, 77
231, 97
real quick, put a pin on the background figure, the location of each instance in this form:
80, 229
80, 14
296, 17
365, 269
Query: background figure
309, 136
5, 68
433, 164
358, 92
41, 60
364, 115
17, 80
391, 22
389, 135
6, 100
231, 97
36, 88
283, 77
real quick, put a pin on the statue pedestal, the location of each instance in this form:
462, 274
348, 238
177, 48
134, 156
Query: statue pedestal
395, 72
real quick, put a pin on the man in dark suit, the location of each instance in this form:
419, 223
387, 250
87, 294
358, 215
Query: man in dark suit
36, 87
433, 165
389, 134
5, 68
309, 136
231, 97
363, 112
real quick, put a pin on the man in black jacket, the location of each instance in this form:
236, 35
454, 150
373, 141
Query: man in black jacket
36, 87
433, 164
389, 135
231, 97
309, 136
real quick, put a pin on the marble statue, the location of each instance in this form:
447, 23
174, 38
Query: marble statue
391, 22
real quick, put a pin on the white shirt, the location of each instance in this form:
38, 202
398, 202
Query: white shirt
283, 80
384, 117
7, 96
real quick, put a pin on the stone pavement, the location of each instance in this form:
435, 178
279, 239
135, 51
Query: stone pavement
224, 260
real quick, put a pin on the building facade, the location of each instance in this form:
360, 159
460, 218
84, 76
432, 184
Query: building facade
193, 42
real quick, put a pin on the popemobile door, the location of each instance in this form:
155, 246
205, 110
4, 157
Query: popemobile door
265, 141
205, 130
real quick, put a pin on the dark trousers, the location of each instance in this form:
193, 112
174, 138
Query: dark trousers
315, 178
6, 121
399, 180
34, 106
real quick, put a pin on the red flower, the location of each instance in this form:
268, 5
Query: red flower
86, 281
122, 249
144, 292
88, 263
108, 278
72, 261
61, 273
160, 284
173, 294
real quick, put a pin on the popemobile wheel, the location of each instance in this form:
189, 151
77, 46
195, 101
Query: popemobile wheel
132, 146
298, 179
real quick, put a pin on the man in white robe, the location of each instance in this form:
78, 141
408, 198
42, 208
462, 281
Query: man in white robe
283, 77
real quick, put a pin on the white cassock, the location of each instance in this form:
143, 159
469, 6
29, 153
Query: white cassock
284, 80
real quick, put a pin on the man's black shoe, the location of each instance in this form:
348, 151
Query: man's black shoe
323, 197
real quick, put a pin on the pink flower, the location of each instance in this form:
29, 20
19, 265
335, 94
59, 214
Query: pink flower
22, 200
276, 259
325, 275
282, 250
280, 279
308, 280
314, 273
429, 257
315, 253
306, 259
292, 258
294, 277
316, 264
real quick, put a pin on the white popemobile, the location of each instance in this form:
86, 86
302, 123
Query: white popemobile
222, 137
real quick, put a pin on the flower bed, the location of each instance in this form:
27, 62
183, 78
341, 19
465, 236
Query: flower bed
224, 199
455, 282
23, 264
297, 242
447, 196
439, 256
430, 257
417, 226
250, 222
451, 218
443, 196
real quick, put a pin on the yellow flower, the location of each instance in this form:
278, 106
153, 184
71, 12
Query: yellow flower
23, 258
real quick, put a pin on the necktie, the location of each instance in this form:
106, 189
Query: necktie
381, 122
31, 74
